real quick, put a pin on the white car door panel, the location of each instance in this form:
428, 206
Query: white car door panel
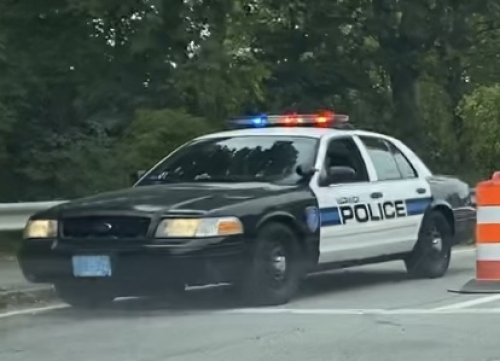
350, 224
400, 185
344, 232
403, 213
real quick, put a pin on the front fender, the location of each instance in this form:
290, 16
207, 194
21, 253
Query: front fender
308, 239
277, 215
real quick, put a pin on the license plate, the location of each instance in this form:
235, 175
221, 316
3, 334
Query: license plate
91, 266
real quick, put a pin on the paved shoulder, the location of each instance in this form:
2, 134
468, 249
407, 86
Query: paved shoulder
368, 313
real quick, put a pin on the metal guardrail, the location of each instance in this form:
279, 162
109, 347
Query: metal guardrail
13, 216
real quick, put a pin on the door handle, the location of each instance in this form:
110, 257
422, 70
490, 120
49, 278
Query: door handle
376, 195
421, 190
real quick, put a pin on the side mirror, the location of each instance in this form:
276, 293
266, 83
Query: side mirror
134, 177
340, 174
305, 171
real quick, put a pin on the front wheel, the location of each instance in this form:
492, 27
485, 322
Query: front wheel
274, 272
84, 295
431, 256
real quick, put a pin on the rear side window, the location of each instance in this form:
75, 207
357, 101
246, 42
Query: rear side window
406, 169
382, 158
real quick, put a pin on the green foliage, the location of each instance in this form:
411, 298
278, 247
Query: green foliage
481, 112
66, 165
437, 117
155, 133
91, 90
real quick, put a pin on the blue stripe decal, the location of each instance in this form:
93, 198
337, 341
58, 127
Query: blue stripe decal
330, 217
417, 206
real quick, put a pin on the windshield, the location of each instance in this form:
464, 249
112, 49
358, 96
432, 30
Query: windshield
236, 159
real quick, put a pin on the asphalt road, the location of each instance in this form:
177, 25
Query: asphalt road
370, 313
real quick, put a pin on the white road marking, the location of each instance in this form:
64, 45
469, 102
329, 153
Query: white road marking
306, 312
474, 302
464, 250
358, 312
32, 310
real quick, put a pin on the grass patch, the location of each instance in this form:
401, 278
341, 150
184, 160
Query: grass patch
10, 242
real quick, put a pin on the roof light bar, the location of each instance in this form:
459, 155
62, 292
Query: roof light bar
320, 120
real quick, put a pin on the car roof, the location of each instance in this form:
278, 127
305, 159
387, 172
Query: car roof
308, 132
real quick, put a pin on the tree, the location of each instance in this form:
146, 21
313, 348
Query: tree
153, 134
83, 82
481, 113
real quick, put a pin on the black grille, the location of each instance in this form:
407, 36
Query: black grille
105, 227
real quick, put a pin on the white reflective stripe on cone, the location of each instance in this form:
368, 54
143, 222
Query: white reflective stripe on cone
488, 252
488, 214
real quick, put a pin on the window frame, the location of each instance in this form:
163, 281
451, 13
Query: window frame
322, 171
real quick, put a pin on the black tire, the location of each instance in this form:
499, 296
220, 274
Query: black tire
84, 295
266, 281
431, 256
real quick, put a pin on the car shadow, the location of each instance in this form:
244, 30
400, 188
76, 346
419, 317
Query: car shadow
357, 278
224, 297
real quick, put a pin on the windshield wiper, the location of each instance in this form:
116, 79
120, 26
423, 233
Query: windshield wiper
226, 179
160, 178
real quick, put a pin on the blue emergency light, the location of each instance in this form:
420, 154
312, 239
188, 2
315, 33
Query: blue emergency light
319, 120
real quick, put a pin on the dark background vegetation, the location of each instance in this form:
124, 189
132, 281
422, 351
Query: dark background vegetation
91, 90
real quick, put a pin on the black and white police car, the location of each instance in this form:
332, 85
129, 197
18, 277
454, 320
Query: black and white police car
259, 207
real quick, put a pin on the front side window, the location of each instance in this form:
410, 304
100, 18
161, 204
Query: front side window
236, 159
344, 152
382, 158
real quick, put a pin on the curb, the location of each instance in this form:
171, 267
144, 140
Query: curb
27, 297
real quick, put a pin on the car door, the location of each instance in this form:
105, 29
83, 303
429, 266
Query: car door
404, 195
346, 230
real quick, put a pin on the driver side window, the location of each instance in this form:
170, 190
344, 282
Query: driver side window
343, 152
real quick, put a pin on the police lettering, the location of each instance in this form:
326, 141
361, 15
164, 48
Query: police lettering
374, 212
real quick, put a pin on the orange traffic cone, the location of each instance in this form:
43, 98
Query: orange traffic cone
487, 238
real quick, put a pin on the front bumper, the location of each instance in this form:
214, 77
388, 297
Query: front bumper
138, 267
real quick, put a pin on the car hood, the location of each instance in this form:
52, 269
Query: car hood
196, 199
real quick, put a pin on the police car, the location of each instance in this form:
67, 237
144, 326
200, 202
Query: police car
259, 206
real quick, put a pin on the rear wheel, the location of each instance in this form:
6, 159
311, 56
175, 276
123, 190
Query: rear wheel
84, 295
431, 255
275, 271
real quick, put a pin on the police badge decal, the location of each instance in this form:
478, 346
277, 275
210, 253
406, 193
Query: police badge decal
312, 218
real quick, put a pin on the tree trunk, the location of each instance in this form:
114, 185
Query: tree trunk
405, 103
454, 86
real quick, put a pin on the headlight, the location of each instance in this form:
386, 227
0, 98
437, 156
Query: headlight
199, 227
41, 228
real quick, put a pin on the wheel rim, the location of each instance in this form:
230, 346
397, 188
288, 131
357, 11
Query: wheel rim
277, 265
436, 241
437, 250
